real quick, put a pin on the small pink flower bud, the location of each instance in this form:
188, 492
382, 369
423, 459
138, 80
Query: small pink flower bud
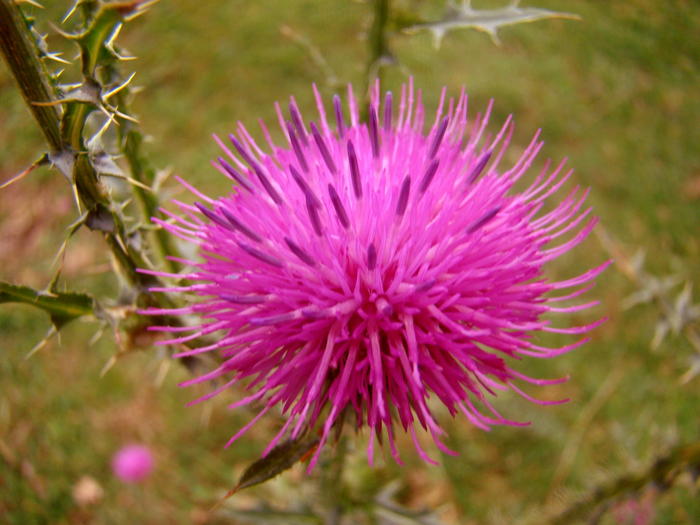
133, 463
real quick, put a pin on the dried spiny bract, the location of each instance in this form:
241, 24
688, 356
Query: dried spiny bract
368, 267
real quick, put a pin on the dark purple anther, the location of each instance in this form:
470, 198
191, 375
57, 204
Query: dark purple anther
338, 205
298, 122
479, 167
439, 135
371, 257
354, 171
373, 131
403, 196
212, 216
387, 112
313, 214
340, 122
426, 286
314, 313
267, 184
303, 186
240, 226
254, 252
256, 168
429, 174
234, 174
301, 254
323, 148
485, 218
242, 151
294, 141
272, 319
243, 299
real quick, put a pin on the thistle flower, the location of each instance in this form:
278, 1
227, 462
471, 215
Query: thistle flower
133, 463
368, 268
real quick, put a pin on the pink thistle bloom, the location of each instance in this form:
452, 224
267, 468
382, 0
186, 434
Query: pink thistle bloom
133, 463
369, 267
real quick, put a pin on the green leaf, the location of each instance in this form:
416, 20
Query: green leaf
62, 307
463, 16
280, 458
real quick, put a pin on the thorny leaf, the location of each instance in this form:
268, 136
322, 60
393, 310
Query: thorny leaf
651, 290
42, 46
661, 330
88, 93
463, 16
62, 307
106, 18
681, 313
693, 371
104, 164
64, 161
41, 161
30, 2
280, 458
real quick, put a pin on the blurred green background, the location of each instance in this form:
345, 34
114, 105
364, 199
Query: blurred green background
617, 93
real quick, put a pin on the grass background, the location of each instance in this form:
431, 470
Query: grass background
617, 93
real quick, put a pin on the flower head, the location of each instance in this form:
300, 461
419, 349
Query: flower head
367, 267
133, 463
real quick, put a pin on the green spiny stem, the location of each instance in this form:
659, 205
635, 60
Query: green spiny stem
662, 473
62, 307
148, 201
64, 135
102, 23
91, 42
20, 53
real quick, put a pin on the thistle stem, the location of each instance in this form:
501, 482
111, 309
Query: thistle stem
20, 54
378, 44
332, 484
148, 201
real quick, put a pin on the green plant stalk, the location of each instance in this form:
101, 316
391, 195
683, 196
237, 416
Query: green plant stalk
332, 488
91, 42
104, 21
148, 201
65, 135
662, 473
20, 54
19, 49
62, 307
378, 47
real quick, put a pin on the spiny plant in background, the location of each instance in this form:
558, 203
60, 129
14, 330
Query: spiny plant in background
677, 315
464, 16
